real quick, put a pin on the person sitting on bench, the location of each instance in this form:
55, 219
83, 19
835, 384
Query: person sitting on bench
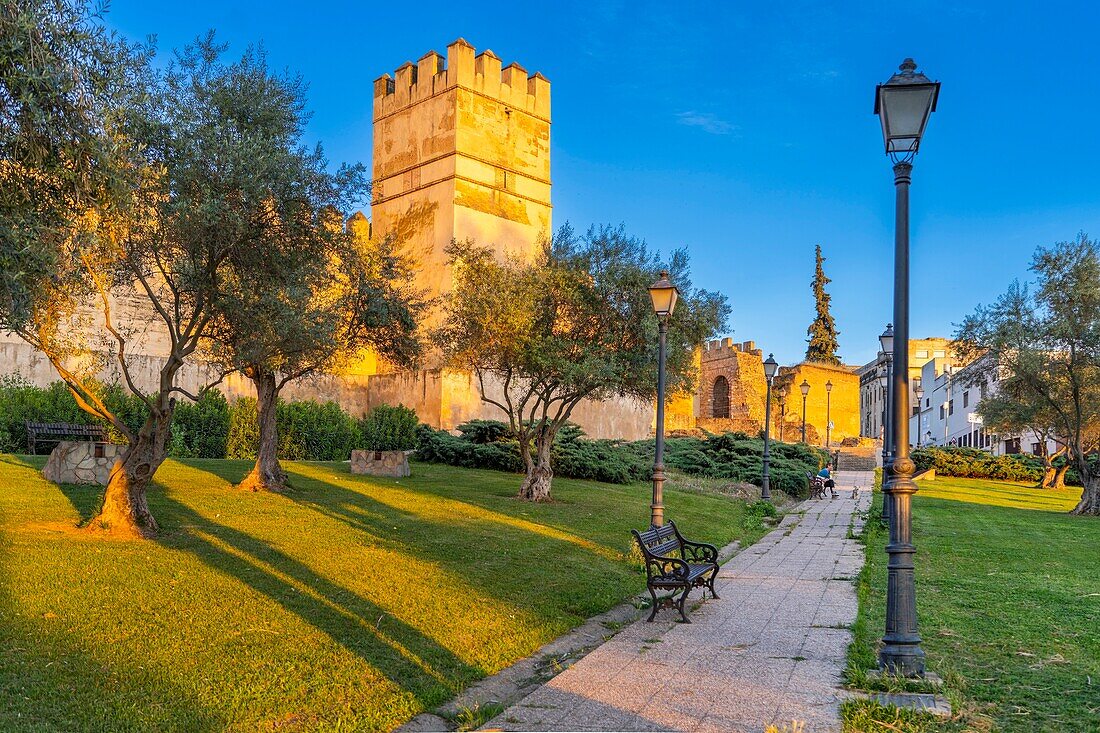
829, 483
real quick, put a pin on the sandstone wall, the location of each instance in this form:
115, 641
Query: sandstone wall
461, 151
842, 404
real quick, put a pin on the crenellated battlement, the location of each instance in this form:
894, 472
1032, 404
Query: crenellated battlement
720, 347
481, 73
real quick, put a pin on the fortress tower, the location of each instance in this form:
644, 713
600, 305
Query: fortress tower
461, 151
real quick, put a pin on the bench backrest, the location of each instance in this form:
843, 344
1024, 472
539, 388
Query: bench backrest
660, 541
43, 428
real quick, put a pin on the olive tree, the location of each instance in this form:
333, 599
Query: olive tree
1043, 344
199, 149
326, 293
574, 323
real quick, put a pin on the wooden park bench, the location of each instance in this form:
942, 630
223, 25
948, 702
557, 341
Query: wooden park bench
43, 432
675, 564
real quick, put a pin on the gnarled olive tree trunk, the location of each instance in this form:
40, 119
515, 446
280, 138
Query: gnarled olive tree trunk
125, 510
1060, 476
536, 483
267, 474
1090, 497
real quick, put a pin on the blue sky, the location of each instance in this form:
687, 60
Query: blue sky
744, 131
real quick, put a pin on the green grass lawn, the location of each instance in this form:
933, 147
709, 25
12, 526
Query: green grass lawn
1008, 597
349, 603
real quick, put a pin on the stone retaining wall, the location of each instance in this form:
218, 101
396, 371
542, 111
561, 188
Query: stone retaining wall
81, 462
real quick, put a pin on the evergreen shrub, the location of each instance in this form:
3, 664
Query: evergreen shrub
200, 429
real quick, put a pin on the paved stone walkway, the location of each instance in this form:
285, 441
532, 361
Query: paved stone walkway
770, 650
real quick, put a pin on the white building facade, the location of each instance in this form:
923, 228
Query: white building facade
948, 413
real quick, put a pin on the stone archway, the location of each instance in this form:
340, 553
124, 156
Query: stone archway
720, 398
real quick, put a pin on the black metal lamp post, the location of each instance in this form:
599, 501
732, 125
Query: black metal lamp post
664, 295
918, 392
828, 413
903, 104
805, 387
886, 340
771, 366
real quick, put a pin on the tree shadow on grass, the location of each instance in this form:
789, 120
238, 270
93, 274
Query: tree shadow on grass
412, 661
541, 558
50, 681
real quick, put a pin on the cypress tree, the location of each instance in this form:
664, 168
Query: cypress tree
822, 332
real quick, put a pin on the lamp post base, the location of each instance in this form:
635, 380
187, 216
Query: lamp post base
902, 660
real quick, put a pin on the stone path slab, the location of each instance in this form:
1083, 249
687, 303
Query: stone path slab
770, 650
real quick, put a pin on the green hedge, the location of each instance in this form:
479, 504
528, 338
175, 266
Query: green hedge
21, 402
200, 429
388, 428
308, 431
209, 428
974, 463
487, 444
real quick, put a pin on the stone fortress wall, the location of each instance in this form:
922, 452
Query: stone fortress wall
461, 151
732, 387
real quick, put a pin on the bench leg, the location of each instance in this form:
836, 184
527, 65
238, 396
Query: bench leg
655, 606
710, 583
680, 605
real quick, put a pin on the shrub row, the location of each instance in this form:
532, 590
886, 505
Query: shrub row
488, 444
739, 457
974, 463
211, 427
735, 456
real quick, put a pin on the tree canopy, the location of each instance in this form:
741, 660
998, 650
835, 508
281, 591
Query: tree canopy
574, 323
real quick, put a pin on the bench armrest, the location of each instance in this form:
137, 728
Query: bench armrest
673, 568
698, 552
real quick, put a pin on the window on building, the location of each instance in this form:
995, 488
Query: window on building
983, 390
922, 353
1012, 446
939, 353
951, 407
941, 412
966, 398
720, 398
927, 402
1036, 449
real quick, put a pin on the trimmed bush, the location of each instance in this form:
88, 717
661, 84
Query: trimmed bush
739, 457
315, 431
244, 430
439, 446
388, 428
974, 463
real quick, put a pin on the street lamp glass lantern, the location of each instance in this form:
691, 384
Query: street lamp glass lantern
887, 339
664, 295
919, 392
829, 386
805, 387
903, 105
771, 366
